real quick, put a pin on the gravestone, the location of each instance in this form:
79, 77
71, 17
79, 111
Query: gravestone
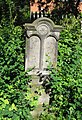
41, 50
41, 45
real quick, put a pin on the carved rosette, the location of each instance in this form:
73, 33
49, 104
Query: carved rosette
43, 29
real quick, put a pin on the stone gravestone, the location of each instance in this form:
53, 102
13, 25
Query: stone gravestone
41, 50
41, 44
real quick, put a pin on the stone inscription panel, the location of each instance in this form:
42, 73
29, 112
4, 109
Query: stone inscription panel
33, 51
49, 55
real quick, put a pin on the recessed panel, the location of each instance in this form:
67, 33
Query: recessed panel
50, 52
33, 52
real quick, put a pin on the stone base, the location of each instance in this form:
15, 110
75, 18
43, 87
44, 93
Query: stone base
43, 99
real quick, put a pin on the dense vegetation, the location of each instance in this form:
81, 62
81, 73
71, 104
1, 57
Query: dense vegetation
65, 80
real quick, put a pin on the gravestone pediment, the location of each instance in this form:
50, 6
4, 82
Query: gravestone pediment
41, 44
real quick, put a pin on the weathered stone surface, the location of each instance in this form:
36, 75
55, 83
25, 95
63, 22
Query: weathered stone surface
50, 52
33, 52
43, 29
44, 99
41, 44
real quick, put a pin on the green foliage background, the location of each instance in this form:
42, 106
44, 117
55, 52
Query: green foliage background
65, 80
14, 100
13, 81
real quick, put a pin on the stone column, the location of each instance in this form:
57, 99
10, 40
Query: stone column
41, 50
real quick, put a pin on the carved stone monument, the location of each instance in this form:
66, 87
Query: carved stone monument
41, 50
41, 45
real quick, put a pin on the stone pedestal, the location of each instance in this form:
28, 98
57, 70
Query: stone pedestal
41, 51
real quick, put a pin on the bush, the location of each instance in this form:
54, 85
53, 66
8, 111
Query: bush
14, 104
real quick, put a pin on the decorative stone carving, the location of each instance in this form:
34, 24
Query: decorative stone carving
41, 45
43, 29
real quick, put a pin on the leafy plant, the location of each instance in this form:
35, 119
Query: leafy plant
13, 79
66, 79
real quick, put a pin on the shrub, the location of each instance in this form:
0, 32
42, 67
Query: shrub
13, 80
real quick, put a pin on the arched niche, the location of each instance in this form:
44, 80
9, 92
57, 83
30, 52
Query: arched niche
33, 52
50, 52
